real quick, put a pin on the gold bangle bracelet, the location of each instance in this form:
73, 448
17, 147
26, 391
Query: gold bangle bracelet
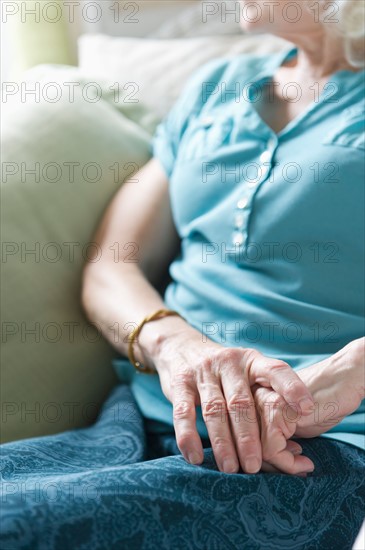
160, 314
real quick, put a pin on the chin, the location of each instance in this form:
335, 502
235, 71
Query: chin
253, 18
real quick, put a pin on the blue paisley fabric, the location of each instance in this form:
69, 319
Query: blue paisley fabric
118, 485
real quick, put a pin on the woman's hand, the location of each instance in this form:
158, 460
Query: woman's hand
278, 423
193, 372
337, 386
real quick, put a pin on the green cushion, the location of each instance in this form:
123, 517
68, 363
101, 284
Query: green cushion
56, 369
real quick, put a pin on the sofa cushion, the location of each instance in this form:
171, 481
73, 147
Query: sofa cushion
62, 162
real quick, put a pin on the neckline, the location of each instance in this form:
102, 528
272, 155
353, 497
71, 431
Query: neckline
288, 54
268, 72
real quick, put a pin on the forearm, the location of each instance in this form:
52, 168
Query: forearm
116, 298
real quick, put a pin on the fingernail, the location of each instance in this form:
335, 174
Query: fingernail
297, 452
194, 458
252, 465
230, 466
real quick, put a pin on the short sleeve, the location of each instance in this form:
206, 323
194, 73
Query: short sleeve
169, 132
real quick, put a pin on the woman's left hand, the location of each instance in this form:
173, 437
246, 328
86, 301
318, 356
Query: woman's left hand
337, 386
277, 425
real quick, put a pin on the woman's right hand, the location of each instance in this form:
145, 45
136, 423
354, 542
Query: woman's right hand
194, 372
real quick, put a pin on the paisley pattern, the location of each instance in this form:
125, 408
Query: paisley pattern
118, 485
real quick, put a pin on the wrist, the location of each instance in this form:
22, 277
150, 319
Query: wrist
344, 366
156, 336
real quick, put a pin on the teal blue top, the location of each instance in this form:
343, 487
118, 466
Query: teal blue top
271, 225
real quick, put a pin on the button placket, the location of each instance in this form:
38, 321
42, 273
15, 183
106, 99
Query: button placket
244, 204
241, 221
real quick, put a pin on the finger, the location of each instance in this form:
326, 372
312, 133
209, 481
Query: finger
269, 468
288, 463
243, 419
184, 418
214, 411
280, 377
276, 427
275, 432
281, 455
293, 447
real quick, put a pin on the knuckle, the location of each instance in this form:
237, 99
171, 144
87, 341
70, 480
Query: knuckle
182, 410
246, 441
184, 439
227, 359
219, 361
220, 442
230, 355
239, 402
214, 408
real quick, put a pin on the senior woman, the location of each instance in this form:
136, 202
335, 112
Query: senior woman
255, 197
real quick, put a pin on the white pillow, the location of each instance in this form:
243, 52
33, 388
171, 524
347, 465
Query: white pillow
202, 19
154, 71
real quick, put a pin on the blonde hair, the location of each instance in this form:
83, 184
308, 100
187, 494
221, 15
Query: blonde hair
348, 22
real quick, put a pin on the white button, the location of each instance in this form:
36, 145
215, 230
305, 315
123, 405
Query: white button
239, 220
238, 238
242, 203
265, 157
207, 121
271, 143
